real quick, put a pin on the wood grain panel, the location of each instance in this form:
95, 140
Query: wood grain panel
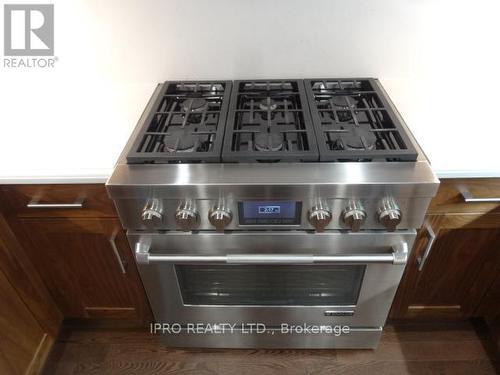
449, 200
96, 200
456, 261
458, 273
111, 312
20, 333
29, 285
77, 263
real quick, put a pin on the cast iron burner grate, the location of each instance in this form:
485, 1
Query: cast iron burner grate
187, 124
269, 121
354, 122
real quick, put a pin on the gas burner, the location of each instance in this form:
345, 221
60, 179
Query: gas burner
344, 102
342, 106
359, 138
194, 105
180, 140
269, 141
267, 105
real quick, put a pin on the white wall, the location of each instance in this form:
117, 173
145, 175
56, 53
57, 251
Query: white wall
439, 60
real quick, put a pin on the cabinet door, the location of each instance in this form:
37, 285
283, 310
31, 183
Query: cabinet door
460, 268
86, 265
23, 275
20, 334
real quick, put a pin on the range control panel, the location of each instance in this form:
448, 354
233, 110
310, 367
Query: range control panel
273, 214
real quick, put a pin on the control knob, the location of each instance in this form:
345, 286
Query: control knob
354, 215
389, 214
186, 216
152, 213
320, 217
220, 217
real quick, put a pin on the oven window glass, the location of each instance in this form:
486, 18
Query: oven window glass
270, 285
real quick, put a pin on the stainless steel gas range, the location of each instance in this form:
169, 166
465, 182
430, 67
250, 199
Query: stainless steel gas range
272, 213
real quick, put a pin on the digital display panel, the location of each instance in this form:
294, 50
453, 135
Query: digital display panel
269, 209
269, 212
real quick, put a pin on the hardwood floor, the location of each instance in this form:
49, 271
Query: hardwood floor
408, 348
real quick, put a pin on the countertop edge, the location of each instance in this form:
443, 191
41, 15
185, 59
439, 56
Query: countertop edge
468, 174
26, 180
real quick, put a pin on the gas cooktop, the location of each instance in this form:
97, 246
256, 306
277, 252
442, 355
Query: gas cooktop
186, 125
267, 121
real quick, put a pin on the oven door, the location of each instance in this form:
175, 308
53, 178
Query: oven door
272, 278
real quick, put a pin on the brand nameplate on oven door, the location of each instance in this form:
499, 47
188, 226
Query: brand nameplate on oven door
339, 313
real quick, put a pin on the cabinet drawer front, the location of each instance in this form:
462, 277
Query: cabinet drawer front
58, 200
478, 195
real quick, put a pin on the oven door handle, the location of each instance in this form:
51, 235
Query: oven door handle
398, 256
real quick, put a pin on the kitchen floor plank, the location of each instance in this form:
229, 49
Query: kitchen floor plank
405, 348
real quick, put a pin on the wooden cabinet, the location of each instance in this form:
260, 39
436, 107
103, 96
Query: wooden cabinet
464, 260
86, 200
29, 318
81, 253
87, 266
21, 335
63, 254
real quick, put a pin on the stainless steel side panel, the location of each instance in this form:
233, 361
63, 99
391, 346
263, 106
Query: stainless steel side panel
358, 338
379, 284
